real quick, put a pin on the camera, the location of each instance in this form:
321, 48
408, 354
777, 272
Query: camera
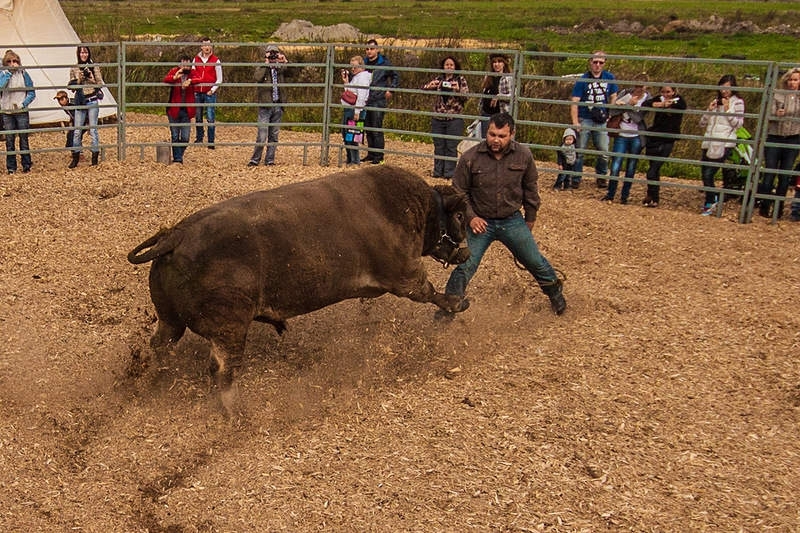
87, 72
186, 70
446, 85
272, 55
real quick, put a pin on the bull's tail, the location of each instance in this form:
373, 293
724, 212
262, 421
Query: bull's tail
159, 244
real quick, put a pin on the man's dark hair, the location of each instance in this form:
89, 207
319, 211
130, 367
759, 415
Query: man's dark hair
184, 57
500, 120
205, 39
372, 42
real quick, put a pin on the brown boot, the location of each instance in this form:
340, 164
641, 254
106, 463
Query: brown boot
75, 157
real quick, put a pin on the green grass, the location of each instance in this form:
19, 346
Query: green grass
523, 24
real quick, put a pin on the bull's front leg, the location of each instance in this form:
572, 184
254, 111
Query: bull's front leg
424, 292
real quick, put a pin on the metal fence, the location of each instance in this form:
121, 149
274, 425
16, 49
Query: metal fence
540, 105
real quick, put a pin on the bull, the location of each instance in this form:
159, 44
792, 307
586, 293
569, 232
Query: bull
271, 255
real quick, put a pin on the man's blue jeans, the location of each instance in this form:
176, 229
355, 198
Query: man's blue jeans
210, 113
515, 235
599, 140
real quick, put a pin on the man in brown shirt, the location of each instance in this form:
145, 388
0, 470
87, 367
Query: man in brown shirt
498, 177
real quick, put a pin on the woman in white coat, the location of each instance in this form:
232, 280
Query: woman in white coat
725, 115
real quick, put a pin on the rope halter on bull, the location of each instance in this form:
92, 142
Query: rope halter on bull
444, 238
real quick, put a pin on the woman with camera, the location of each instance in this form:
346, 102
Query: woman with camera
445, 127
725, 115
86, 80
180, 110
498, 88
356, 82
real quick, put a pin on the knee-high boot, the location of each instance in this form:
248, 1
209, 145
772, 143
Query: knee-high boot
95, 156
75, 157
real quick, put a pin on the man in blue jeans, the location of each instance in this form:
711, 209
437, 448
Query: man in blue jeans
208, 69
498, 176
596, 88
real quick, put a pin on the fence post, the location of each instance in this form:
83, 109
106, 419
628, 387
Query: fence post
759, 138
121, 99
326, 113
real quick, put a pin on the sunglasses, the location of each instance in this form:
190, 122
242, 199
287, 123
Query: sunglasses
13, 61
598, 62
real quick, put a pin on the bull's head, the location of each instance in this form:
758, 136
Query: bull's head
451, 246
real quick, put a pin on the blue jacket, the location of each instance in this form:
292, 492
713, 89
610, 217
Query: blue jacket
30, 95
382, 80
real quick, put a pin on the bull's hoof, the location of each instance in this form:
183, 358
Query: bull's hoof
444, 315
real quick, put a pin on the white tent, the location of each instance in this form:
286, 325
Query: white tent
26, 24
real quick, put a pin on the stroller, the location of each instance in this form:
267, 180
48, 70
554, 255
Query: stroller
742, 154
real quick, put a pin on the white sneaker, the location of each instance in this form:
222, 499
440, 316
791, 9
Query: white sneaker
709, 209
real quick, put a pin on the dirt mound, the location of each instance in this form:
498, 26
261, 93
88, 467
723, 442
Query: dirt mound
666, 398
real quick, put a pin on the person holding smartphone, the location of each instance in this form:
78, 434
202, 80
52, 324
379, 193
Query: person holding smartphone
181, 109
724, 115
783, 128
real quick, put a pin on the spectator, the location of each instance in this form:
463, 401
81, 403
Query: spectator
16, 95
383, 80
180, 109
86, 80
356, 81
725, 115
68, 105
270, 96
498, 177
449, 101
566, 160
627, 140
668, 107
783, 128
595, 87
499, 88
209, 71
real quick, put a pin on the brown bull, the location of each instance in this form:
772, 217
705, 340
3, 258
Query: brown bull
272, 255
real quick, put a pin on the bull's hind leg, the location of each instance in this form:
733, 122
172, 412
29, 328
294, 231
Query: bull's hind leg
164, 339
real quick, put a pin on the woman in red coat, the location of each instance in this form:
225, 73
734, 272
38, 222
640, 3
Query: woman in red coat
181, 109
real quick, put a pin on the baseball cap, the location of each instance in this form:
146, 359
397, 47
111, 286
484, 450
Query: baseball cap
61, 94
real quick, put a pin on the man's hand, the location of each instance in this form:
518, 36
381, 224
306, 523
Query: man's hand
477, 225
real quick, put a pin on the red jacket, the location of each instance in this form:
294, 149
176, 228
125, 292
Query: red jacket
206, 72
180, 95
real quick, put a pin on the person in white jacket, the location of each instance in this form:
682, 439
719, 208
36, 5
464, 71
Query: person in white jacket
725, 115
356, 81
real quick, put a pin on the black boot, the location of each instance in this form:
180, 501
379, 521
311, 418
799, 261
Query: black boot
75, 157
95, 156
765, 209
557, 302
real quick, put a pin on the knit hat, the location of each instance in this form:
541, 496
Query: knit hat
568, 132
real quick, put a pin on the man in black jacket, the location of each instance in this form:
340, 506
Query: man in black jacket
383, 80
